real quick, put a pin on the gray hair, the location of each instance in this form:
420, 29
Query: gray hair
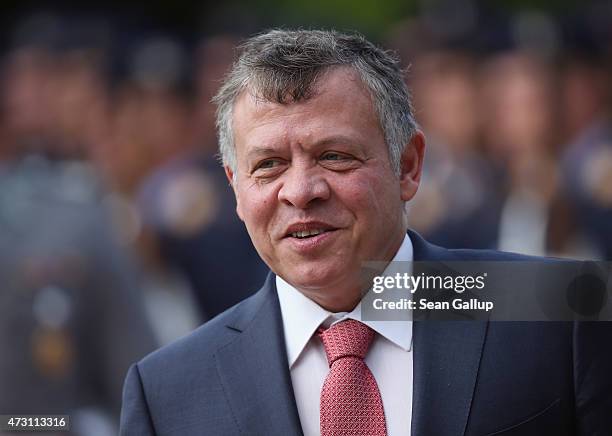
282, 66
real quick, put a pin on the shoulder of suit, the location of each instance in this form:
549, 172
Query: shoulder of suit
425, 251
201, 345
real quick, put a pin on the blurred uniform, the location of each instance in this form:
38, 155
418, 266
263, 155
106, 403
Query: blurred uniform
191, 207
588, 180
456, 193
71, 318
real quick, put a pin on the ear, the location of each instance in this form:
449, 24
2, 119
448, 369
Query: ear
230, 178
412, 166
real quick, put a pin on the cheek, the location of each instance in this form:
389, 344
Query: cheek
372, 199
256, 210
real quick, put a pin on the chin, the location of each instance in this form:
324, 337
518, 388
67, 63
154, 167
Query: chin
316, 276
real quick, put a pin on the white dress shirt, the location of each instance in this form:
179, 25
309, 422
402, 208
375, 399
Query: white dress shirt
389, 357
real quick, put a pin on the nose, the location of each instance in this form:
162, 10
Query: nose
303, 186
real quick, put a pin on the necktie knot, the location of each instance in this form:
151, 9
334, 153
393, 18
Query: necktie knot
348, 338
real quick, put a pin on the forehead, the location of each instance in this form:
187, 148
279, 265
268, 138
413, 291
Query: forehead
339, 101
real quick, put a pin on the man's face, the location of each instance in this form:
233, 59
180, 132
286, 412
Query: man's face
315, 187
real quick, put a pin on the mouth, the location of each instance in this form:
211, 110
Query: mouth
310, 238
308, 233
308, 230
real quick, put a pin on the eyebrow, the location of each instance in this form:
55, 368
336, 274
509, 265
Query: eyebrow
265, 150
261, 150
335, 139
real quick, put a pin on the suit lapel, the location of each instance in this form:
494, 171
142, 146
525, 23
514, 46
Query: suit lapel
446, 362
254, 371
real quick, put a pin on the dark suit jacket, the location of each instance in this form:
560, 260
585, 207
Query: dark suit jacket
231, 376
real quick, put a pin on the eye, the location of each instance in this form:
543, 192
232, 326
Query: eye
269, 167
267, 164
333, 156
337, 161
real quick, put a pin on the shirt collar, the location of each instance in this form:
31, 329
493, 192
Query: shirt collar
302, 316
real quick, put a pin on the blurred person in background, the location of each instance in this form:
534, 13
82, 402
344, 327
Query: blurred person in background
460, 186
148, 127
191, 207
587, 159
72, 317
519, 112
148, 124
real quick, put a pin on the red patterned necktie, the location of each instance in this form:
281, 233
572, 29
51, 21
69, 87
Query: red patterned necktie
350, 400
